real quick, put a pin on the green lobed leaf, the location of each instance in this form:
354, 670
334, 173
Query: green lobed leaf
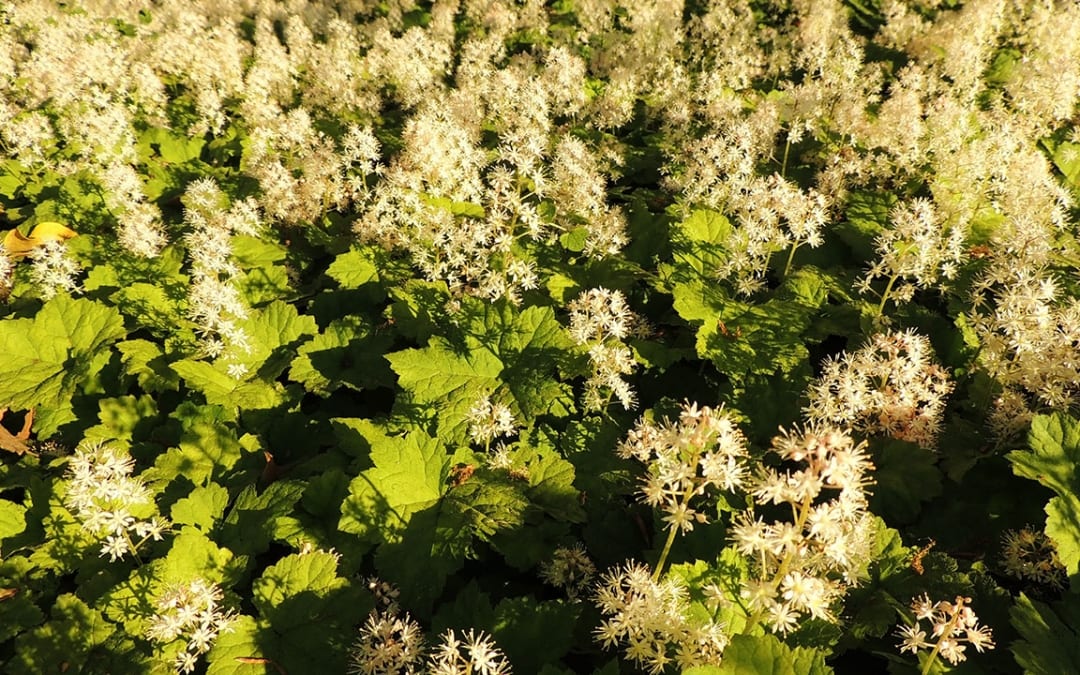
268, 283
419, 308
409, 475
765, 654
65, 542
239, 650
867, 216
202, 508
452, 379
207, 447
741, 338
425, 553
872, 604
1053, 461
311, 609
698, 241
18, 611
274, 330
501, 347
354, 268
193, 555
152, 307
347, 354
905, 476
220, 388
173, 147
250, 524
121, 416
424, 525
522, 623
68, 639
47, 357
146, 361
302, 588
1050, 643
12, 519
263, 276
256, 251
488, 503
551, 485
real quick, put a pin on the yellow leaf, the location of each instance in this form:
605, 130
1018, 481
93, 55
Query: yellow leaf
19, 245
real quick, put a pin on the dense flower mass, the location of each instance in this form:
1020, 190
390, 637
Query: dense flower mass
600, 321
474, 653
387, 644
803, 564
651, 619
109, 501
703, 450
953, 627
191, 612
419, 280
890, 386
569, 568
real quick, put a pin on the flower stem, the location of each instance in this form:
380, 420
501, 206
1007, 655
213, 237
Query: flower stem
790, 257
664, 554
930, 660
783, 164
885, 294
782, 569
671, 534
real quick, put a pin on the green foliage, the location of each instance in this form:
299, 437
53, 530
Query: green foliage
309, 428
203, 508
1054, 456
12, 519
500, 349
744, 338
73, 636
348, 353
698, 241
906, 476
47, 357
765, 654
242, 650
1050, 643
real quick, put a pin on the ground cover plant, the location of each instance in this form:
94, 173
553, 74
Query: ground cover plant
580, 336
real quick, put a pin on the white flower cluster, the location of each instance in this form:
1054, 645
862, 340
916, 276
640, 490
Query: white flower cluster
139, 221
570, 568
473, 654
109, 501
214, 303
488, 420
7, 272
388, 643
1009, 415
890, 385
651, 619
803, 564
1030, 338
953, 626
704, 449
385, 594
600, 320
190, 611
53, 269
392, 643
1029, 554
921, 248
